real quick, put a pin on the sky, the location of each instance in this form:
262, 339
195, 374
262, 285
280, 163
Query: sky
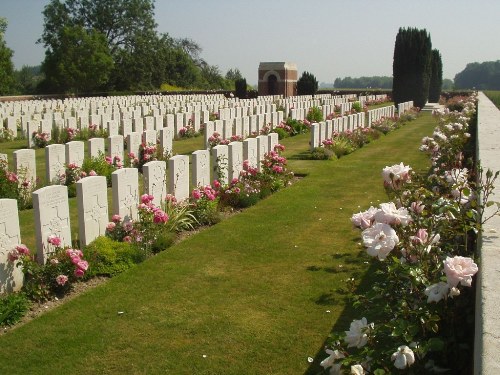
328, 38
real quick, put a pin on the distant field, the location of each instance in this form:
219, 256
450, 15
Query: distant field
494, 96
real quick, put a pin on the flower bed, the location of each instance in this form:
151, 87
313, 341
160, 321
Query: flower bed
420, 307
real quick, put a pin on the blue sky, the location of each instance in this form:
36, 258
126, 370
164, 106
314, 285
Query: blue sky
329, 38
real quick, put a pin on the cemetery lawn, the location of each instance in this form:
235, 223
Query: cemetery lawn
494, 96
255, 294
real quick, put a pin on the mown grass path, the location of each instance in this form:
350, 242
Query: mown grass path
247, 296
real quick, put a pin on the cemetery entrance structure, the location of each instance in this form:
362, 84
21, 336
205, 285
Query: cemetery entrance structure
277, 78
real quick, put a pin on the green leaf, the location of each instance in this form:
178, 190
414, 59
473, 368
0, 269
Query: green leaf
379, 371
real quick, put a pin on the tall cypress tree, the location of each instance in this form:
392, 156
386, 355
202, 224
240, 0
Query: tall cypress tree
411, 66
436, 77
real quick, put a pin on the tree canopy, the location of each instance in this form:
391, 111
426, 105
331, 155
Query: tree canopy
363, 82
436, 81
307, 84
114, 45
7, 77
482, 76
411, 66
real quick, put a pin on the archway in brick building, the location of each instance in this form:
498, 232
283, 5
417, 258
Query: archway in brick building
272, 85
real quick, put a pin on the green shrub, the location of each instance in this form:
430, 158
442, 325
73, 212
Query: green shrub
108, 258
12, 308
342, 147
315, 114
298, 126
282, 133
323, 153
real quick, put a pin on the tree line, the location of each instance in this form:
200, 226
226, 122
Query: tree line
109, 45
481, 76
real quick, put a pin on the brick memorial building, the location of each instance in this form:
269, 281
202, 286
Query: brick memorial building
278, 78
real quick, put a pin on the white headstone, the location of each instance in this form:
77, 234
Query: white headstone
11, 276
134, 143
75, 152
220, 163
250, 152
166, 140
149, 137
201, 168
273, 139
51, 210
125, 188
55, 159
25, 164
235, 159
155, 184
92, 201
262, 149
115, 146
95, 146
178, 176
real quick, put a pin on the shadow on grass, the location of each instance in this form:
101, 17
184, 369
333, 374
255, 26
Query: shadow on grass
342, 324
304, 155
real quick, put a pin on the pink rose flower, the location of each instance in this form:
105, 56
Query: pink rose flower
196, 194
54, 261
116, 218
22, 249
110, 227
61, 279
160, 217
459, 270
127, 239
83, 265
54, 240
92, 173
79, 272
13, 255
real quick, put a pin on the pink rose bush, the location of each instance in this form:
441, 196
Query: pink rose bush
423, 243
62, 268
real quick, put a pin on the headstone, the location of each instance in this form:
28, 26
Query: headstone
149, 123
149, 137
75, 153
166, 140
51, 210
95, 146
178, 176
25, 164
92, 201
134, 143
235, 159
126, 126
31, 126
220, 163
155, 184
115, 146
262, 149
138, 125
273, 139
209, 131
112, 127
125, 190
55, 159
250, 152
201, 168
12, 125
11, 276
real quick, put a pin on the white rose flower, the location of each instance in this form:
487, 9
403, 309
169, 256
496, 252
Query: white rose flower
364, 219
330, 360
436, 292
390, 214
403, 358
357, 370
379, 239
358, 333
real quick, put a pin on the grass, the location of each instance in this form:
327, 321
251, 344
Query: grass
494, 97
247, 296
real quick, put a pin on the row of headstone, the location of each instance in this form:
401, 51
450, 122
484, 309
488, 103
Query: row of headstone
378, 113
324, 130
51, 207
404, 107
